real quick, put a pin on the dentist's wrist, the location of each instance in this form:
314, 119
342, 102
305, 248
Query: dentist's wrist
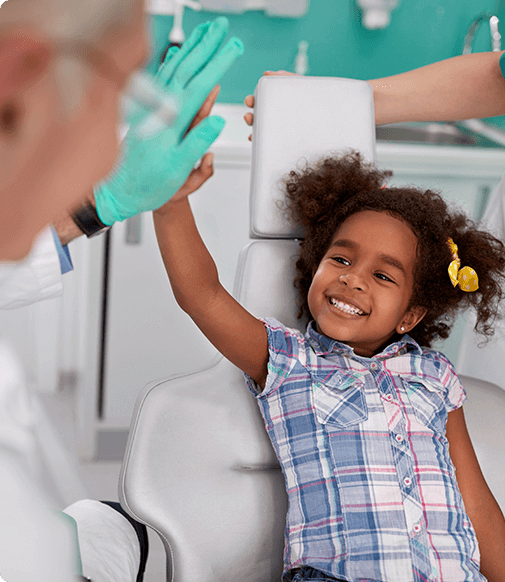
65, 227
88, 221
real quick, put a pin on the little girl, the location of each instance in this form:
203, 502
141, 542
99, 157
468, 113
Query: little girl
365, 418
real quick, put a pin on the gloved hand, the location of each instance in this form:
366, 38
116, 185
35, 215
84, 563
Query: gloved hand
152, 170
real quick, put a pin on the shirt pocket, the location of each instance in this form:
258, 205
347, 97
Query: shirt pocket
427, 398
340, 401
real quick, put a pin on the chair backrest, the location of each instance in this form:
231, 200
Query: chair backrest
298, 119
199, 468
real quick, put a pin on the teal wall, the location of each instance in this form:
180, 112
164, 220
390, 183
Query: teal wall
421, 32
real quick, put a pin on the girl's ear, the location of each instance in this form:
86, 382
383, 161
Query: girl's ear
411, 318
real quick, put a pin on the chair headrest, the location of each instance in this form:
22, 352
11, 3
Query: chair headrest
302, 118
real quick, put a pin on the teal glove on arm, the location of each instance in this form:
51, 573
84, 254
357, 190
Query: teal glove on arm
152, 170
161, 173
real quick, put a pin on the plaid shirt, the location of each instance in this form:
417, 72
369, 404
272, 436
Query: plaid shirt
372, 490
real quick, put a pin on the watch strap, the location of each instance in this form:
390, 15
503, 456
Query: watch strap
86, 218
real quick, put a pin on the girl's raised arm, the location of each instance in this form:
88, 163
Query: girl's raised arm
237, 334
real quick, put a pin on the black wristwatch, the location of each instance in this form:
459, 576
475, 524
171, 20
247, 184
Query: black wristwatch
88, 221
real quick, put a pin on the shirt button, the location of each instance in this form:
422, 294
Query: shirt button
389, 397
417, 528
399, 438
374, 365
407, 481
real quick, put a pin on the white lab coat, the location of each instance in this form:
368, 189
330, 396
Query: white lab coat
486, 362
36, 278
35, 545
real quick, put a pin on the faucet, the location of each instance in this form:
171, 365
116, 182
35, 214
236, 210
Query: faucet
175, 8
472, 30
477, 125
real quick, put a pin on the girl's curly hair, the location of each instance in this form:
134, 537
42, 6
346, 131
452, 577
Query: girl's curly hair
323, 195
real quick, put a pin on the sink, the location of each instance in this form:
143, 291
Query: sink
435, 134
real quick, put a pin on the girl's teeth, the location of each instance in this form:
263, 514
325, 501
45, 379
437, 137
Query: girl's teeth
346, 308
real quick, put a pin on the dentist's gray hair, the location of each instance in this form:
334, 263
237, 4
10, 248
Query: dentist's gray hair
68, 19
64, 21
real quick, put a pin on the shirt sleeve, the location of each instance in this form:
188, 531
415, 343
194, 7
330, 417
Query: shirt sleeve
502, 65
63, 254
36, 278
283, 349
455, 395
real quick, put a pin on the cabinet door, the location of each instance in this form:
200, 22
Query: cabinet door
471, 195
148, 336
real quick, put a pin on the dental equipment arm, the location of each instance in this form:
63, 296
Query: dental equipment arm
153, 169
237, 334
482, 509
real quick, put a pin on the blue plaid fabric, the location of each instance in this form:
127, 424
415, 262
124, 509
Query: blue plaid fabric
372, 490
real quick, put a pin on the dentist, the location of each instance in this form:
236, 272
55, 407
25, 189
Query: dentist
64, 67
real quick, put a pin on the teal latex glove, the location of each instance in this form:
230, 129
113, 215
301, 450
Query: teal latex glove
152, 170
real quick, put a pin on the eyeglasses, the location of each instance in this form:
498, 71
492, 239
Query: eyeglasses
145, 108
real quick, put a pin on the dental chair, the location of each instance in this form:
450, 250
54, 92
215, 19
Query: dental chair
199, 468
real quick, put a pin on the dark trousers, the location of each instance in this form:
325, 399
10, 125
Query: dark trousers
308, 573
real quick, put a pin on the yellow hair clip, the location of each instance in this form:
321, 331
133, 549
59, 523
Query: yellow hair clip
466, 277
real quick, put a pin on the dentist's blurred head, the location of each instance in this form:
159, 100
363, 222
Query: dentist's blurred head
63, 67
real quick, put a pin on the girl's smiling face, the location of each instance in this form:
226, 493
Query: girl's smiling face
361, 290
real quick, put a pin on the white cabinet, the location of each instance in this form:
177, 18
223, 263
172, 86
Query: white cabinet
148, 335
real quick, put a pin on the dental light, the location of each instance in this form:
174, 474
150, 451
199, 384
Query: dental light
377, 13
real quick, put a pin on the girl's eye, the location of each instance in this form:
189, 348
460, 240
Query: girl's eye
383, 277
341, 260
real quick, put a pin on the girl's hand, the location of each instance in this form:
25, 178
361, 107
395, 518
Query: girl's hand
205, 109
197, 178
205, 170
249, 100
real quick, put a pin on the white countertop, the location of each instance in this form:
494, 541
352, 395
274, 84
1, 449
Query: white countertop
233, 146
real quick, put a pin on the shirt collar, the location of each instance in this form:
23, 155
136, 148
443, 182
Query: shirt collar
325, 346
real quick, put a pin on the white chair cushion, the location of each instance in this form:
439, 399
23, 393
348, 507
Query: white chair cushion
200, 470
264, 284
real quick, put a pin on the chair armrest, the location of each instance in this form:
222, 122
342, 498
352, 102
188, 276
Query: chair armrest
200, 470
